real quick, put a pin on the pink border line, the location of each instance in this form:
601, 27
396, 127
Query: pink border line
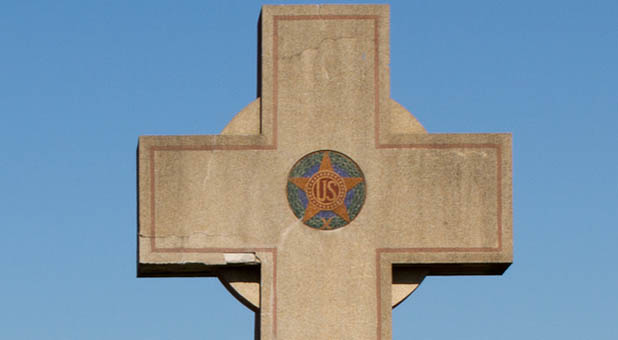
274, 145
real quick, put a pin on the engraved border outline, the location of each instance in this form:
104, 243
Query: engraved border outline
378, 145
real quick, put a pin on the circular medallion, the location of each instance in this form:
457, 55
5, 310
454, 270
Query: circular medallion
326, 189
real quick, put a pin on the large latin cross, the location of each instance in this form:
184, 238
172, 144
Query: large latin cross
324, 192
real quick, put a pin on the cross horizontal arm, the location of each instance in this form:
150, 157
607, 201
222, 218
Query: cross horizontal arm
199, 196
446, 198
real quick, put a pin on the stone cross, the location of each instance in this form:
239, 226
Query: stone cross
324, 202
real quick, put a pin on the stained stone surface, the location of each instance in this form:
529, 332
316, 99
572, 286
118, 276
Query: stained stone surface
435, 204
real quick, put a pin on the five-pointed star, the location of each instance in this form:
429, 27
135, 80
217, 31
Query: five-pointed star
312, 209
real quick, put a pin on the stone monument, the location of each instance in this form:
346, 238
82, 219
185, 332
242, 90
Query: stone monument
324, 203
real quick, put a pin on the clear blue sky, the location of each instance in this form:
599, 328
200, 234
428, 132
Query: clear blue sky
81, 80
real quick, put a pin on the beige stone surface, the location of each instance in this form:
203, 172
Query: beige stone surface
246, 286
436, 204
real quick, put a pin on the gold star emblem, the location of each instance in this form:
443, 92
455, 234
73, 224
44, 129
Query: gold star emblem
326, 191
